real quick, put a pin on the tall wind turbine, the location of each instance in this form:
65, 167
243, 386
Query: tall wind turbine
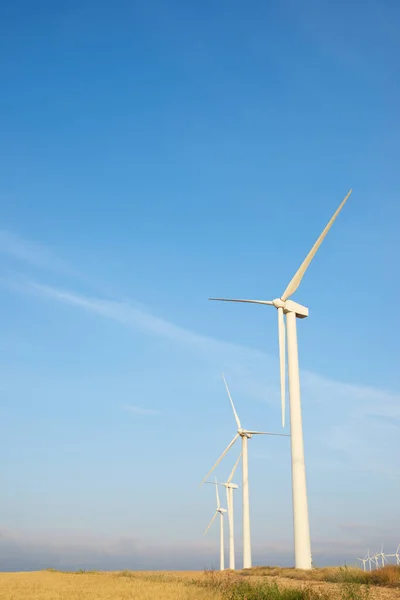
245, 435
229, 486
364, 562
221, 512
293, 310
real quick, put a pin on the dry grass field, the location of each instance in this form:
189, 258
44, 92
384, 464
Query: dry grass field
45, 585
261, 583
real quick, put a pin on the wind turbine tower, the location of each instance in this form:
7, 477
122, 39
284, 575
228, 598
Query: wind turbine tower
229, 486
219, 511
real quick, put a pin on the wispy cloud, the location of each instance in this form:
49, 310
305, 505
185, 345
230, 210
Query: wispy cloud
144, 412
129, 315
352, 414
30, 252
36, 255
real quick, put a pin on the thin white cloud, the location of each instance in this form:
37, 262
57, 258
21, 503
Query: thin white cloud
353, 415
27, 251
35, 254
139, 319
144, 412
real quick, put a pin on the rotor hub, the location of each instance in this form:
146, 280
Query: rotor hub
278, 303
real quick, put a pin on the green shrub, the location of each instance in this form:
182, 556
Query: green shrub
245, 590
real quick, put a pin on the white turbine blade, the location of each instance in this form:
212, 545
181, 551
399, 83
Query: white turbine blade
268, 302
266, 433
220, 458
295, 282
211, 522
217, 494
234, 469
282, 350
233, 406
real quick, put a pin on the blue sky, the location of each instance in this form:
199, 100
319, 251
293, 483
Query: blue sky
155, 154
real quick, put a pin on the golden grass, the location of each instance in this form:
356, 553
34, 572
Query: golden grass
45, 585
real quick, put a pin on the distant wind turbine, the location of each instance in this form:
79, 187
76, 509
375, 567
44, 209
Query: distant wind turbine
369, 559
293, 310
364, 562
221, 512
382, 557
245, 434
229, 486
396, 555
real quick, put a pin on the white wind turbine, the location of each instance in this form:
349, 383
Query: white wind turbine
221, 512
375, 559
382, 556
292, 310
245, 435
229, 486
370, 559
364, 562
396, 555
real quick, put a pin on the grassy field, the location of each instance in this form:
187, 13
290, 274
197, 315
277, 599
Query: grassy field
388, 576
261, 583
46, 585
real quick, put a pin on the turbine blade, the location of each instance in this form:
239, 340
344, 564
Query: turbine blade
267, 433
211, 522
282, 355
234, 469
217, 494
295, 282
233, 406
268, 302
220, 458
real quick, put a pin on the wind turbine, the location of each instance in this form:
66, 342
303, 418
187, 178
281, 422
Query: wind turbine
397, 555
245, 435
229, 486
221, 512
293, 310
369, 559
382, 556
364, 562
